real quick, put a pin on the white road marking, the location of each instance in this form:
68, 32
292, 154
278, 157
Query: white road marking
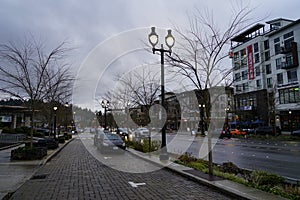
135, 185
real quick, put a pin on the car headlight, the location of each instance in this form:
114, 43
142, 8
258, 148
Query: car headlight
105, 144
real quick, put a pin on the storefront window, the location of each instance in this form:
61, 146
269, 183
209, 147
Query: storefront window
290, 95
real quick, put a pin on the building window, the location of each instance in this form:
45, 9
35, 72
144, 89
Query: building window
289, 95
258, 84
236, 56
236, 66
244, 75
256, 58
278, 63
280, 78
268, 69
287, 35
277, 49
269, 82
255, 46
289, 61
276, 40
244, 62
266, 44
245, 87
243, 53
267, 55
275, 26
292, 76
288, 44
257, 71
238, 88
237, 77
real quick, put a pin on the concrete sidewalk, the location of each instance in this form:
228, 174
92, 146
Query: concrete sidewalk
13, 174
226, 186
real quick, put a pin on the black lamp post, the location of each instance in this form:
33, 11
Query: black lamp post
290, 120
54, 123
66, 120
202, 107
169, 39
105, 105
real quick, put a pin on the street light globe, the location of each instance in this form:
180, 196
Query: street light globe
54, 108
170, 40
153, 37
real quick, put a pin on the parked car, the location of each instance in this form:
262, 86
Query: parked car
225, 134
249, 130
43, 131
296, 133
122, 132
267, 130
51, 143
237, 132
109, 142
141, 132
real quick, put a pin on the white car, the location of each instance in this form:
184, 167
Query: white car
141, 132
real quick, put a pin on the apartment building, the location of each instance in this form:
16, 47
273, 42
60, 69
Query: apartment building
266, 73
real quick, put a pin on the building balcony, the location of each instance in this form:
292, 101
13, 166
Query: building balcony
289, 65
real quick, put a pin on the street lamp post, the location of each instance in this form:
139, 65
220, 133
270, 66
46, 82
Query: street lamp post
169, 39
54, 123
290, 120
66, 120
202, 107
105, 105
227, 111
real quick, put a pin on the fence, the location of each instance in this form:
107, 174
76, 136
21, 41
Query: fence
11, 138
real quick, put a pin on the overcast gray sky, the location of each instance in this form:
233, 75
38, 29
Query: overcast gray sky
88, 23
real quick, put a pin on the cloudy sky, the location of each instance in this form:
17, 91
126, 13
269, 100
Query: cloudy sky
86, 24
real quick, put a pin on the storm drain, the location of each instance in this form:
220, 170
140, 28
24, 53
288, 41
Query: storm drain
38, 176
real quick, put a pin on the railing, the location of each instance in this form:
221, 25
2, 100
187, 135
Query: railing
11, 138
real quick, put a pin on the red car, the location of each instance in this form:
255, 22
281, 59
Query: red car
237, 132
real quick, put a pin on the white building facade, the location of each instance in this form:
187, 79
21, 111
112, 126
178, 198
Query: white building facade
266, 73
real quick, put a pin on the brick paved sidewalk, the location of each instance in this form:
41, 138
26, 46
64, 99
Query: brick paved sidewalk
75, 174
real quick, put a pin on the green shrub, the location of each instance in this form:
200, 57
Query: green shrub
27, 153
187, 158
201, 165
262, 178
7, 130
229, 167
154, 145
144, 145
61, 139
23, 130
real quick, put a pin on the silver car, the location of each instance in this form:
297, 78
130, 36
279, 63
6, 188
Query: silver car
141, 132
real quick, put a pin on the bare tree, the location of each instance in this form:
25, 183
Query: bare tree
199, 57
137, 88
28, 73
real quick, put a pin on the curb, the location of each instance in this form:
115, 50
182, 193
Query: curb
48, 158
171, 166
10, 146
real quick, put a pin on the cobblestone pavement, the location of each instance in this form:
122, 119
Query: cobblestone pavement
75, 174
